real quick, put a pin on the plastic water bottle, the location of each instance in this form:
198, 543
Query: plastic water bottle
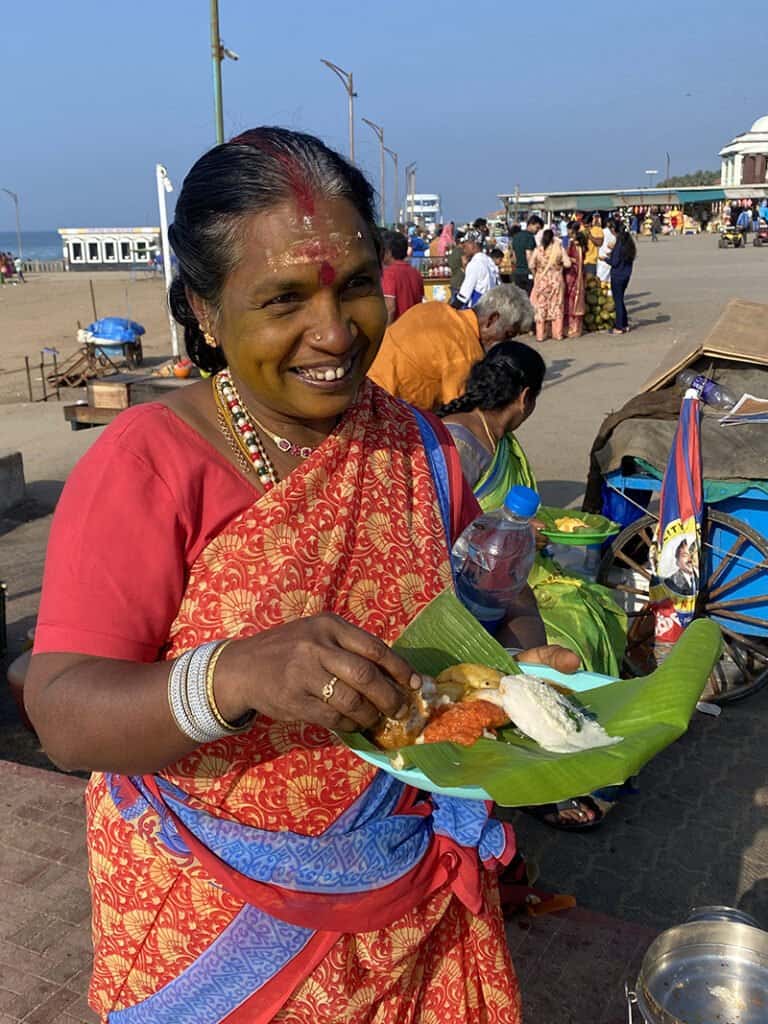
494, 556
711, 393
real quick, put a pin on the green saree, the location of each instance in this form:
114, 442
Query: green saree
577, 613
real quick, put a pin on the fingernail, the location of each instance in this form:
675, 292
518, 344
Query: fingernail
415, 681
403, 713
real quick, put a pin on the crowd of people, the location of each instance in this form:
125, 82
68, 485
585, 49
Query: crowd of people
11, 269
549, 263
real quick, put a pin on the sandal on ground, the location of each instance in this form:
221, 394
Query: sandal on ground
590, 814
615, 331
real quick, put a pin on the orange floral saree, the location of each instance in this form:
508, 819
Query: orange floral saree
274, 876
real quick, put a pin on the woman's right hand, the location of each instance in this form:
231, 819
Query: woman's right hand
281, 673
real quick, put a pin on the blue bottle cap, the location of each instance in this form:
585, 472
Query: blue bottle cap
522, 501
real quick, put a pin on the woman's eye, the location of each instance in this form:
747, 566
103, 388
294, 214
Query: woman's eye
286, 299
362, 284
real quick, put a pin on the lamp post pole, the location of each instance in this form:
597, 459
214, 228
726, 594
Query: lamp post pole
218, 52
216, 57
15, 199
379, 133
347, 81
410, 189
396, 195
652, 175
164, 185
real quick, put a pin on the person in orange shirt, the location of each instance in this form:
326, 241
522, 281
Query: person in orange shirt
427, 353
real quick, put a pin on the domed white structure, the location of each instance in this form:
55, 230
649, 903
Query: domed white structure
744, 161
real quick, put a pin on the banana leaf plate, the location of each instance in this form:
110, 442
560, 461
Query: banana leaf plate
649, 714
597, 528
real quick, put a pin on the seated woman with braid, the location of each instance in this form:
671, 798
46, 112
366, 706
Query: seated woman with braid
500, 394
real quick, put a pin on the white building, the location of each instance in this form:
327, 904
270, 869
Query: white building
108, 248
423, 208
745, 159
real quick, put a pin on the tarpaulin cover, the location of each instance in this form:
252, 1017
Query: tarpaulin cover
115, 328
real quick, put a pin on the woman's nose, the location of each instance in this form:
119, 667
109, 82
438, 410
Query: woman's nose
332, 331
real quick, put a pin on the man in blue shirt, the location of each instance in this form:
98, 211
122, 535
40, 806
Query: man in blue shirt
743, 223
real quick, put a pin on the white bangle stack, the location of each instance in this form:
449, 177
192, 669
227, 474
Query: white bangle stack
191, 696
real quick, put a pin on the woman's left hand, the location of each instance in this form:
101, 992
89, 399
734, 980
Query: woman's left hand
556, 657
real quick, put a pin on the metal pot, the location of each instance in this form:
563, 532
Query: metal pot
711, 970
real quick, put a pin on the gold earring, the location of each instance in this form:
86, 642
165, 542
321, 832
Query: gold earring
208, 337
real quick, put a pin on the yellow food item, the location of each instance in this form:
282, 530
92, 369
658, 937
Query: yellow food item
459, 680
569, 524
392, 733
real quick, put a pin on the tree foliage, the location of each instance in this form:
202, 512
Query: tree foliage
689, 180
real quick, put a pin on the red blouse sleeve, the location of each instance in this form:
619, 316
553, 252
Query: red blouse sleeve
114, 570
135, 513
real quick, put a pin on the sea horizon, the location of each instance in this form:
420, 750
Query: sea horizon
36, 245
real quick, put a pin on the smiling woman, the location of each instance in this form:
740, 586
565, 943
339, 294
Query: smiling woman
244, 865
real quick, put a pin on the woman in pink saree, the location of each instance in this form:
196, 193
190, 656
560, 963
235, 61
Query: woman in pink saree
575, 299
548, 294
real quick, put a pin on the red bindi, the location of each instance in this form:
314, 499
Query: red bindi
327, 274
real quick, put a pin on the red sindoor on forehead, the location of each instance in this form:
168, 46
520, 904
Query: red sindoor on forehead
299, 186
327, 273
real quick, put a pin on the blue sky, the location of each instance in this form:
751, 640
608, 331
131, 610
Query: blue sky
482, 94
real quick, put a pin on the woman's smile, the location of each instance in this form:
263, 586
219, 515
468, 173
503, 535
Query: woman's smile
327, 376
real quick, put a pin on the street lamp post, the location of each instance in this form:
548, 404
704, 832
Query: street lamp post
379, 133
396, 195
15, 199
164, 185
348, 83
410, 189
218, 52
652, 176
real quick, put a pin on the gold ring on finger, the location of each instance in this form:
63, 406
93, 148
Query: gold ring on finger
329, 689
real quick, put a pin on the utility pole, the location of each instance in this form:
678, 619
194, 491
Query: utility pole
410, 190
396, 196
218, 53
164, 185
348, 82
379, 133
15, 199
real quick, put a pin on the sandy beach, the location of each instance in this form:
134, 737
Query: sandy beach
44, 313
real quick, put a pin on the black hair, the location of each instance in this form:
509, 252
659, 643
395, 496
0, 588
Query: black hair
500, 378
252, 173
536, 220
515, 230
496, 254
578, 230
396, 243
625, 243
547, 238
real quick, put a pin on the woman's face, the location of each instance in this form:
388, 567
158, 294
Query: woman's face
517, 412
302, 315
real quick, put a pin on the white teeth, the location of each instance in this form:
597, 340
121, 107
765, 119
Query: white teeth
331, 374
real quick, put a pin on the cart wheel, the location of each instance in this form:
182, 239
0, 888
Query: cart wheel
721, 243
741, 560
756, 242
134, 355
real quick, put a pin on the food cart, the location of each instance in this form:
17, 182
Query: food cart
437, 279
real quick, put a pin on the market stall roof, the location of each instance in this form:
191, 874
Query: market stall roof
697, 195
594, 202
741, 335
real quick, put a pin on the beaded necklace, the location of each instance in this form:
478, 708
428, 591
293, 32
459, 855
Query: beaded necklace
236, 424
